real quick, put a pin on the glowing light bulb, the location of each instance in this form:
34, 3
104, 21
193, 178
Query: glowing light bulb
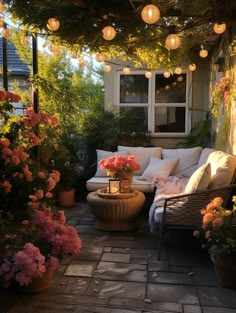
53, 24
25, 40
172, 41
219, 28
6, 33
150, 14
203, 53
166, 74
148, 74
109, 33
192, 67
178, 70
126, 70
107, 68
100, 57
1, 7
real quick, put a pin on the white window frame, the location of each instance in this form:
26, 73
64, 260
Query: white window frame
152, 105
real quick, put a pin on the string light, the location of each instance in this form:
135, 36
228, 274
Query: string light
109, 33
53, 24
107, 68
25, 40
6, 33
82, 63
150, 14
126, 70
203, 52
100, 57
166, 74
148, 74
73, 55
172, 41
1, 7
219, 28
2, 23
192, 67
178, 70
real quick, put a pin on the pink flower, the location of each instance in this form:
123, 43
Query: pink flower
218, 222
41, 175
196, 233
39, 194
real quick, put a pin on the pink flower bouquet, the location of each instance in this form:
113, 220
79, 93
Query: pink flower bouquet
118, 164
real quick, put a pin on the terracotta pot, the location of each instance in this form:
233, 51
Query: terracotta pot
39, 284
66, 198
225, 268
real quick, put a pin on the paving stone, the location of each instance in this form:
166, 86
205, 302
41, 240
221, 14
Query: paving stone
75, 299
180, 269
160, 307
116, 257
155, 265
204, 276
173, 293
119, 289
185, 257
90, 253
217, 297
170, 278
192, 308
81, 268
107, 249
138, 253
212, 309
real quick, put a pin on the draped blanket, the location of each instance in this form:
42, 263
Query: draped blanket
165, 187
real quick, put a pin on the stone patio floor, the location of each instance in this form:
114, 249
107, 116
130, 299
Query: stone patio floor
118, 272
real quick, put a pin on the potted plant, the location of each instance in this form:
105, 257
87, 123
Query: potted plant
218, 236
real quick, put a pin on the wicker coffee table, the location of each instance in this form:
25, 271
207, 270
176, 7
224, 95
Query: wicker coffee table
115, 212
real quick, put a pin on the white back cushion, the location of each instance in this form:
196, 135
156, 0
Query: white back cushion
204, 156
103, 154
200, 179
188, 159
223, 166
157, 167
142, 155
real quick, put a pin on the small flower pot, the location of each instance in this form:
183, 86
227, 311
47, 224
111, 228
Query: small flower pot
66, 198
225, 271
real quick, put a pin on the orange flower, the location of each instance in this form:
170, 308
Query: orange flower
207, 218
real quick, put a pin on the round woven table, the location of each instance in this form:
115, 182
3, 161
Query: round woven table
115, 212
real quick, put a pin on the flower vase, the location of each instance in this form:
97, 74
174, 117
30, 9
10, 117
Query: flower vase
225, 271
66, 198
126, 180
39, 284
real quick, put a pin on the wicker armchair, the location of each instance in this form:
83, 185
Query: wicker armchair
183, 211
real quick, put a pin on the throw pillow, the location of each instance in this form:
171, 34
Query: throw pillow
103, 154
200, 179
188, 159
142, 155
158, 167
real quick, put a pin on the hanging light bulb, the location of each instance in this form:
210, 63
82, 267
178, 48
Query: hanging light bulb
172, 41
180, 79
2, 23
53, 24
82, 63
100, 57
178, 70
73, 55
192, 67
25, 40
150, 14
203, 53
6, 33
166, 74
126, 70
109, 33
1, 7
107, 68
148, 74
219, 28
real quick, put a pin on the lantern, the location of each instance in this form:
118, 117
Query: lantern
53, 24
100, 57
150, 14
219, 28
172, 42
109, 33
192, 67
178, 70
166, 74
126, 70
148, 74
107, 68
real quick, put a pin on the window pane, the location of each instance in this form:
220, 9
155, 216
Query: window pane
133, 119
170, 90
170, 119
133, 89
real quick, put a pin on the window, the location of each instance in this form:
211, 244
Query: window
157, 104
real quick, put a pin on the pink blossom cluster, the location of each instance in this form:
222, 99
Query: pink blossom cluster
9, 96
119, 164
